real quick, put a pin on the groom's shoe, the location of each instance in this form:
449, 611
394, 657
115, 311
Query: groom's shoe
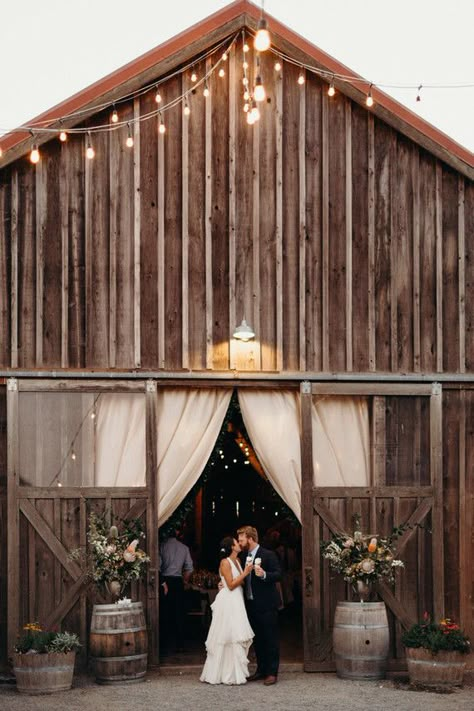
255, 677
270, 680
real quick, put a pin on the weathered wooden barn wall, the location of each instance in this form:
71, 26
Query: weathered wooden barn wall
3, 524
345, 245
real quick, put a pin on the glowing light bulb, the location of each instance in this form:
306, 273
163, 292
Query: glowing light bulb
245, 81
331, 90
246, 107
114, 116
259, 91
224, 56
129, 143
187, 110
73, 455
246, 95
277, 66
301, 79
245, 65
250, 118
262, 38
221, 72
369, 100
35, 155
90, 152
158, 97
255, 112
194, 77
206, 91
92, 415
246, 47
162, 127
63, 136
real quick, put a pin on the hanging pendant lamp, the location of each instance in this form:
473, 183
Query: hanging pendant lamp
244, 332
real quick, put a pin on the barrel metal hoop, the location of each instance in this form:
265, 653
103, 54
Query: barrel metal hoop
119, 631
120, 659
360, 659
435, 663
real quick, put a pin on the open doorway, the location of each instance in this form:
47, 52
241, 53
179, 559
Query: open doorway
233, 491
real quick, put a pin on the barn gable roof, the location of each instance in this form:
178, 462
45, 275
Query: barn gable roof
181, 48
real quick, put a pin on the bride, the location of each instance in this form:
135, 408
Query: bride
230, 634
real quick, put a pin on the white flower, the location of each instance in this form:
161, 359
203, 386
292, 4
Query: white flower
367, 565
357, 536
349, 543
397, 564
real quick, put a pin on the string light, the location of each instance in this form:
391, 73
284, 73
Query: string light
158, 97
262, 38
277, 66
194, 77
246, 107
224, 57
369, 100
245, 65
115, 117
250, 117
35, 154
206, 91
255, 111
63, 136
187, 110
246, 95
246, 47
73, 455
418, 96
90, 152
162, 127
245, 81
222, 72
259, 91
129, 143
301, 79
331, 90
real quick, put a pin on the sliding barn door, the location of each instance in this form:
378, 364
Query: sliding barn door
51, 492
404, 487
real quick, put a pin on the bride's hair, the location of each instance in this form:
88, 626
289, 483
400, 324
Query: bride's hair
226, 547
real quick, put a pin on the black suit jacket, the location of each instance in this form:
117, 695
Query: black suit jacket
265, 592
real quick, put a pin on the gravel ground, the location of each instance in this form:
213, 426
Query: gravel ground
294, 692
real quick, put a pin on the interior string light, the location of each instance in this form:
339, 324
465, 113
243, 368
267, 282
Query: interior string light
369, 100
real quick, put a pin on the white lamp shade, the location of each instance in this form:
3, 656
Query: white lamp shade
244, 332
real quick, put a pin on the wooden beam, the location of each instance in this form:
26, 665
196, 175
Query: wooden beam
53, 543
41, 202
439, 265
68, 601
136, 234
185, 232
325, 228
13, 515
114, 228
395, 605
153, 612
14, 269
419, 514
81, 386
329, 519
279, 222
348, 207
256, 244
367, 492
371, 389
393, 253
232, 200
436, 468
161, 246
208, 225
303, 326
371, 239
416, 263
462, 275
136, 510
64, 169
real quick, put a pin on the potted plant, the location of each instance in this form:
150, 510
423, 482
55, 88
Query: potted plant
118, 635
43, 661
360, 633
436, 653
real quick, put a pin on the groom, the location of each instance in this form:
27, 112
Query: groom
262, 601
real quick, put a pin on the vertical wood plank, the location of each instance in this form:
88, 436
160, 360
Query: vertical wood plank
232, 197
136, 234
461, 275
208, 226
371, 239
64, 171
161, 246
41, 201
439, 267
256, 241
30, 555
416, 262
378, 441
13, 515
393, 254
311, 606
152, 520
77, 266
303, 335
279, 222
57, 564
185, 234
83, 544
436, 466
465, 520
325, 230
348, 208
114, 228
14, 270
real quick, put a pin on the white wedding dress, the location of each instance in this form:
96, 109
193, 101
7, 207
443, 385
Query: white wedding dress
229, 638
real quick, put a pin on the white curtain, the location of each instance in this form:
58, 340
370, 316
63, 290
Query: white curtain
340, 441
272, 421
120, 440
189, 422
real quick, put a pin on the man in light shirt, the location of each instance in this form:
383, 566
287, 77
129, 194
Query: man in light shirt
176, 567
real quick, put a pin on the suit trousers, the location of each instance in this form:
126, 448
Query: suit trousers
266, 641
172, 613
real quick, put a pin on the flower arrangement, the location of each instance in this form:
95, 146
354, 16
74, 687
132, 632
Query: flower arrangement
363, 558
445, 635
35, 640
113, 559
205, 579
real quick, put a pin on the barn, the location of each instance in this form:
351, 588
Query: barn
131, 252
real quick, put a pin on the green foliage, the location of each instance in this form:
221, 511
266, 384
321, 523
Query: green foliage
445, 635
38, 641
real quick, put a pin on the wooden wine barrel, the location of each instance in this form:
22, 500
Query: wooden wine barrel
361, 640
118, 643
43, 673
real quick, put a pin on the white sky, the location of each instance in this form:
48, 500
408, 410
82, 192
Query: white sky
50, 49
